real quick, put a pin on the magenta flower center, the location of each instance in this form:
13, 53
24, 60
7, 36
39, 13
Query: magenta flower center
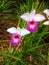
31, 24
16, 38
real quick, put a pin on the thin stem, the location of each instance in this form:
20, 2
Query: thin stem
4, 40
48, 57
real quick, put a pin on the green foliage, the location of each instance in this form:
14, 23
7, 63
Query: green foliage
7, 8
31, 44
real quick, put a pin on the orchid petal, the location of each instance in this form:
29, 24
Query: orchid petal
32, 15
25, 16
38, 17
46, 23
12, 30
46, 11
24, 32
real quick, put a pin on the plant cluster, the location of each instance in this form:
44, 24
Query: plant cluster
27, 45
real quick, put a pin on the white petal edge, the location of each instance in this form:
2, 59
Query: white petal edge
24, 32
38, 17
12, 30
25, 16
46, 23
46, 11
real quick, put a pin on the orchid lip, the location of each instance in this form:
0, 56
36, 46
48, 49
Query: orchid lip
32, 26
16, 39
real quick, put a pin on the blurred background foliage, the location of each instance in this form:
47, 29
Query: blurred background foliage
15, 7
33, 49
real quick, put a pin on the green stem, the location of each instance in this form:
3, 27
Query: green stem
4, 40
48, 57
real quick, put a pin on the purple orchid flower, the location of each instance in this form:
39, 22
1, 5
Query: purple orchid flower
17, 34
32, 20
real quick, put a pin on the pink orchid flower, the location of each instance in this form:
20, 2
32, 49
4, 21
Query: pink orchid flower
17, 33
32, 20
